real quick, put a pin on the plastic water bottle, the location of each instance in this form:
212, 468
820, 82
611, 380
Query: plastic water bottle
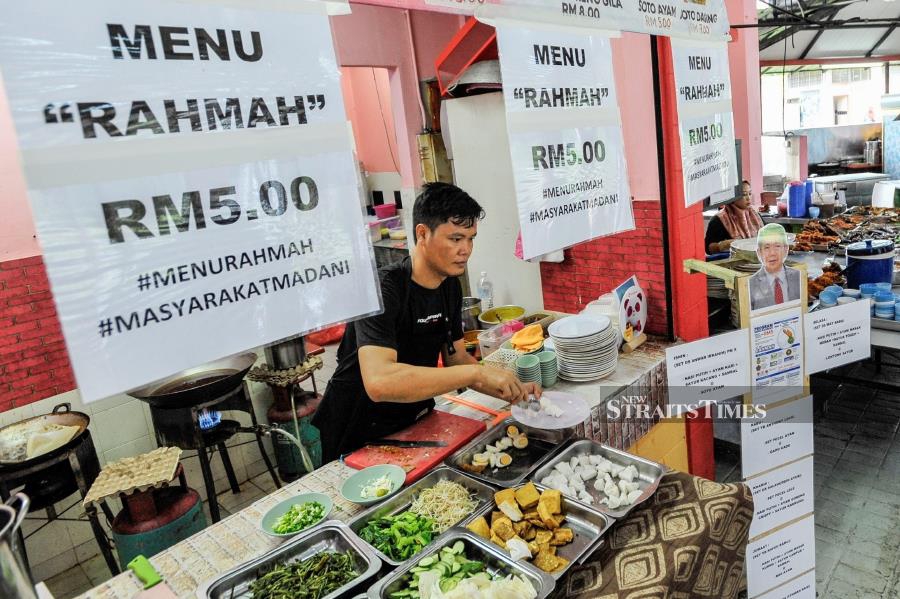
485, 292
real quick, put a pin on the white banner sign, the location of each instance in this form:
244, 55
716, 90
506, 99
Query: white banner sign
706, 125
565, 138
710, 369
839, 336
191, 178
698, 19
783, 435
781, 556
782, 495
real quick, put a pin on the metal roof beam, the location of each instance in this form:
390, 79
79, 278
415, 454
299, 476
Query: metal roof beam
881, 40
815, 38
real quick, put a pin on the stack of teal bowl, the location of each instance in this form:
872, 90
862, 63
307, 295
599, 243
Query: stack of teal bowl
528, 369
549, 368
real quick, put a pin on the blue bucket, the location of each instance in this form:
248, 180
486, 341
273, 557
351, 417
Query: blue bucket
868, 262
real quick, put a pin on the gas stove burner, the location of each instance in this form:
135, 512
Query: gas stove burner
209, 418
287, 376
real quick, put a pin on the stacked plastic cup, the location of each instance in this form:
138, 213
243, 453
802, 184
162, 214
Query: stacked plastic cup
549, 368
884, 305
828, 299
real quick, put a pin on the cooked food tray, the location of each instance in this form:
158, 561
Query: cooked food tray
330, 536
542, 444
588, 526
649, 473
497, 563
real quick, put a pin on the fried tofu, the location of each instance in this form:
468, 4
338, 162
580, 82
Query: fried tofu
527, 496
529, 514
529, 534
557, 521
522, 528
498, 541
546, 561
503, 528
496, 514
533, 548
546, 516
543, 537
500, 497
561, 536
552, 499
480, 527
561, 564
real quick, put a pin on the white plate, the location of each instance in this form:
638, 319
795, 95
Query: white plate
574, 327
575, 411
749, 245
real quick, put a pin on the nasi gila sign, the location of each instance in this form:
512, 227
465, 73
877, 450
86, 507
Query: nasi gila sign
191, 178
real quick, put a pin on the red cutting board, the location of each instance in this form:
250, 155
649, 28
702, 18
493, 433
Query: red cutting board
456, 431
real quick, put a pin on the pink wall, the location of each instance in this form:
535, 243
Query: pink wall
367, 98
634, 86
17, 238
380, 37
743, 59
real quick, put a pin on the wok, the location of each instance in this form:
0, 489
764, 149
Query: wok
196, 385
61, 415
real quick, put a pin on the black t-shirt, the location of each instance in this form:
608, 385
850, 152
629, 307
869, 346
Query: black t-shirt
418, 323
715, 232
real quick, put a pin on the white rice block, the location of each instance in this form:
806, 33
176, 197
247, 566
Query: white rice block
573, 462
629, 474
627, 487
599, 484
585, 497
616, 470
584, 460
611, 490
588, 472
633, 496
565, 468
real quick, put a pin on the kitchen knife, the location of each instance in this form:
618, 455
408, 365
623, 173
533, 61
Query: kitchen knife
154, 587
401, 443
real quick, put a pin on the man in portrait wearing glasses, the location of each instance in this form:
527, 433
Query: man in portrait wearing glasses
774, 283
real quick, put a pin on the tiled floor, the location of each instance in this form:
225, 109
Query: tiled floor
94, 571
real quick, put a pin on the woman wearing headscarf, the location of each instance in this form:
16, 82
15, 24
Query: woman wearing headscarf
737, 220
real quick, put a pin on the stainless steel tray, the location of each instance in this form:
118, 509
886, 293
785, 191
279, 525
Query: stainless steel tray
401, 502
649, 473
496, 560
887, 325
329, 536
542, 444
588, 525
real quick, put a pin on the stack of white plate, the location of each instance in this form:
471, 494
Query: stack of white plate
587, 347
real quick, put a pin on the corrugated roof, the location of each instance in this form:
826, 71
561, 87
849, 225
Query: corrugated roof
840, 42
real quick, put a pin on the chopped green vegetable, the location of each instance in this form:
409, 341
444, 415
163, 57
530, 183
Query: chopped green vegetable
311, 578
299, 517
399, 537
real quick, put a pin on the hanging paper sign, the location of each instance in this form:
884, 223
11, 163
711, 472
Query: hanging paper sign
191, 179
780, 557
697, 19
565, 138
706, 123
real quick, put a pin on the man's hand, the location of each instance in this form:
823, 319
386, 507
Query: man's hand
504, 384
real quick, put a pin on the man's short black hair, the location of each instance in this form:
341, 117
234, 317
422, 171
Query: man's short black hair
442, 202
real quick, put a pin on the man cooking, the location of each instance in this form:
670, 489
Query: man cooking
387, 373
774, 283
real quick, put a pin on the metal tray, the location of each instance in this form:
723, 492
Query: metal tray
884, 324
542, 444
401, 502
649, 473
330, 536
496, 560
588, 525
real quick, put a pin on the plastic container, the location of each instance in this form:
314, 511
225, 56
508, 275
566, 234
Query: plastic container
383, 211
490, 340
854, 293
835, 289
813, 211
485, 291
797, 200
870, 261
375, 231
808, 190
